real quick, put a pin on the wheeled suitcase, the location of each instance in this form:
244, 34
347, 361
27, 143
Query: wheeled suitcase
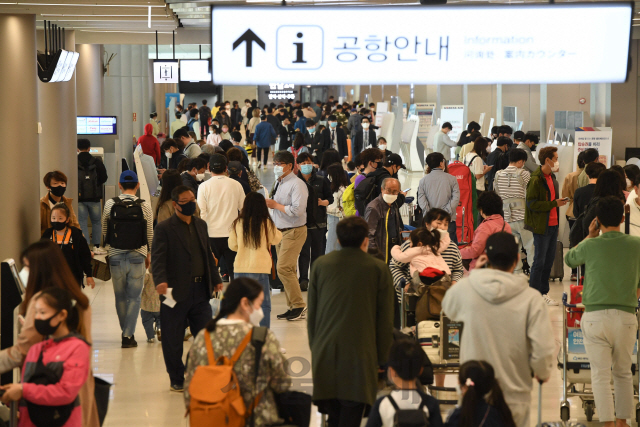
557, 270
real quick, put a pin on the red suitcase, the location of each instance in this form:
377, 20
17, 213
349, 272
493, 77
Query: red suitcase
575, 314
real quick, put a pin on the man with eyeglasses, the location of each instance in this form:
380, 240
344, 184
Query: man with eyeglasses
289, 212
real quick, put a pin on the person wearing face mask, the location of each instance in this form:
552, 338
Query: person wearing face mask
176, 124
191, 148
172, 155
225, 133
56, 183
184, 271
365, 138
383, 217
335, 137
511, 186
529, 144
541, 216
164, 207
72, 243
194, 175
231, 333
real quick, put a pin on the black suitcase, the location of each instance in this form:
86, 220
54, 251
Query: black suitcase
274, 280
557, 270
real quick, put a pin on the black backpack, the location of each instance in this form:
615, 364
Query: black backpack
88, 187
127, 227
580, 228
409, 417
364, 193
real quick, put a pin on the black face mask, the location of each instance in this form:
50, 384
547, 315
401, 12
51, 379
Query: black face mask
188, 208
58, 226
44, 327
58, 191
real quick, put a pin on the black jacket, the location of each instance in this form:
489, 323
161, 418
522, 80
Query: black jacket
189, 181
83, 159
273, 121
77, 253
359, 145
341, 136
171, 257
492, 419
581, 198
286, 137
322, 187
241, 181
175, 160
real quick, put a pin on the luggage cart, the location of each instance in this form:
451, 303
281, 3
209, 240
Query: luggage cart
576, 373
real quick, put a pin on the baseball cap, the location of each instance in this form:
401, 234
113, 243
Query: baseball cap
235, 167
519, 135
128, 176
217, 163
502, 248
394, 159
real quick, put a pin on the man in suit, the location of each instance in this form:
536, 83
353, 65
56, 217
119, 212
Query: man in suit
365, 138
335, 137
184, 271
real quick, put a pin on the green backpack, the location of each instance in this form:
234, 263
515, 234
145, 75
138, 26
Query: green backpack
349, 201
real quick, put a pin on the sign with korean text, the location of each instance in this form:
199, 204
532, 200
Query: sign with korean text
424, 111
421, 45
453, 114
598, 138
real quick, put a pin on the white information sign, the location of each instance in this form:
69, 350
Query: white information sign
420, 44
453, 114
424, 111
599, 138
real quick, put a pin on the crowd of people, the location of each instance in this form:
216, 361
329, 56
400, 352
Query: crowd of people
330, 226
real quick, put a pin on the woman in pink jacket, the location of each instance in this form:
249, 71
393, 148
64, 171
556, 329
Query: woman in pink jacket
55, 369
490, 207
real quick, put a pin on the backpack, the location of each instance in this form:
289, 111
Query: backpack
580, 229
127, 227
409, 417
348, 201
216, 398
364, 193
511, 202
88, 187
468, 198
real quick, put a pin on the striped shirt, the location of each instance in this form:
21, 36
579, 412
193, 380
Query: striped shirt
451, 255
508, 188
148, 215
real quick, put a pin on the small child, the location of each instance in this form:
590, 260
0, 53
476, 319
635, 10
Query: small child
150, 309
54, 369
406, 361
425, 250
483, 403
72, 243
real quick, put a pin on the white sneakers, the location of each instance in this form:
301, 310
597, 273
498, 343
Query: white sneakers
99, 251
550, 301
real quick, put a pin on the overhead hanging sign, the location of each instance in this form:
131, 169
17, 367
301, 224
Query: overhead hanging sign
420, 45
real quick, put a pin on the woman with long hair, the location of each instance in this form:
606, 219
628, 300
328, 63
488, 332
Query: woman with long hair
239, 312
252, 235
339, 183
329, 157
475, 161
47, 268
483, 402
609, 183
164, 209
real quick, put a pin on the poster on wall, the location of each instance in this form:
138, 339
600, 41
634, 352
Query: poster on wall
599, 138
424, 111
453, 114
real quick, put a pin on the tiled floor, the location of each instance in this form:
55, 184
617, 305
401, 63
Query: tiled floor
141, 396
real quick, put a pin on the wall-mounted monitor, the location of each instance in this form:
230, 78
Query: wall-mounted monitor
165, 71
97, 125
195, 70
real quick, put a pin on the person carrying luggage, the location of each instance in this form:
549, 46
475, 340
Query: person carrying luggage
483, 402
406, 401
227, 336
610, 297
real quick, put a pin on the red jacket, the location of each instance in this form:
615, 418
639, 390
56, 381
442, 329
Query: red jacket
149, 143
70, 355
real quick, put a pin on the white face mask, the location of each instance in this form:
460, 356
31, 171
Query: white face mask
256, 316
24, 276
389, 198
365, 126
556, 167
382, 147
200, 177
278, 171
629, 185
168, 154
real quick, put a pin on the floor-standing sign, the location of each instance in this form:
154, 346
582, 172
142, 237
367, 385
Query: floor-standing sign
424, 111
453, 114
599, 138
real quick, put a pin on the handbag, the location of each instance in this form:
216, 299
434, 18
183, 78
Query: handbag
215, 302
429, 305
100, 270
101, 393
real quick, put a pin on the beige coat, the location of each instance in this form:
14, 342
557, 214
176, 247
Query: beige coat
569, 187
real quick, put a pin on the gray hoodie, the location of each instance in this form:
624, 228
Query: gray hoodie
506, 323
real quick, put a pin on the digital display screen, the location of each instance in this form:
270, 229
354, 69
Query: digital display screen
197, 70
97, 125
165, 71
452, 44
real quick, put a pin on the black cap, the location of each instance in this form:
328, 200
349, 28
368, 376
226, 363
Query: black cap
234, 168
394, 159
217, 163
501, 246
519, 135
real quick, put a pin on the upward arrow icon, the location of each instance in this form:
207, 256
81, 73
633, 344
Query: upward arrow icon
249, 37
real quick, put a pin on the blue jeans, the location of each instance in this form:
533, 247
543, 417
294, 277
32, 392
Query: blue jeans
148, 318
545, 253
332, 237
127, 274
91, 210
453, 233
263, 279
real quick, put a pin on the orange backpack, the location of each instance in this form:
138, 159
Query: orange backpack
216, 399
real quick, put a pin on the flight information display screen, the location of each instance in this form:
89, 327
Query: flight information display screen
97, 125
